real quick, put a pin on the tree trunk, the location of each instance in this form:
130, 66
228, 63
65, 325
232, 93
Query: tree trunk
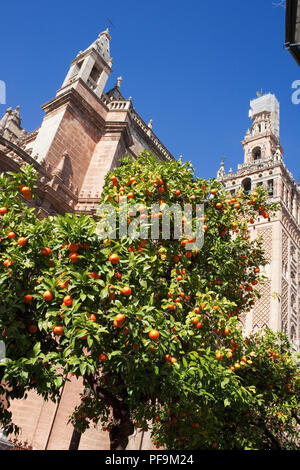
123, 426
75, 440
119, 435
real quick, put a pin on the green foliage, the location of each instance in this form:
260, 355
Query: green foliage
198, 385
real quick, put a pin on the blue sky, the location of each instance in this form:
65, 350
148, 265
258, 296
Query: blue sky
191, 66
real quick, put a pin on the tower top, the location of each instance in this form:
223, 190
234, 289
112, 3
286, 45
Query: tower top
102, 46
268, 105
92, 66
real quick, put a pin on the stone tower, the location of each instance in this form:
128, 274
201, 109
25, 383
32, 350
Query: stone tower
263, 165
84, 133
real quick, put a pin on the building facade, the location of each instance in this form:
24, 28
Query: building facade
279, 306
83, 134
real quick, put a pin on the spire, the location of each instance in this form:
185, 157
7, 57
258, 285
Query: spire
92, 66
102, 46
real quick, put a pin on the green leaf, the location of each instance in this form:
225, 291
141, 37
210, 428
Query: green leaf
224, 382
226, 402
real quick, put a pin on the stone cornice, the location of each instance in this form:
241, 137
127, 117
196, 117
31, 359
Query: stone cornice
252, 138
120, 127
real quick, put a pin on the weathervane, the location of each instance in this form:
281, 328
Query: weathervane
110, 22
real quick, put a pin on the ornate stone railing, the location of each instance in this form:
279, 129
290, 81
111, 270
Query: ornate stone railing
157, 143
255, 166
119, 105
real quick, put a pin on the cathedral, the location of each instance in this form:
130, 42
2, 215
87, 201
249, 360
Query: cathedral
84, 132
82, 136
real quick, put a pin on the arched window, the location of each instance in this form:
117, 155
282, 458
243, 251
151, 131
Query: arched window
256, 153
246, 184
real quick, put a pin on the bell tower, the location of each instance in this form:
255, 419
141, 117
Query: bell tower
76, 118
262, 141
92, 66
279, 304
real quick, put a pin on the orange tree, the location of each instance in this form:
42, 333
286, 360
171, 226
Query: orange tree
151, 327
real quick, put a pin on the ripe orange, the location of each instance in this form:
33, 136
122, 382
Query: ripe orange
73, 247
26, 192
161, 189
24, 189
22, 241
28, 299
48, 295
93, 317
219, 205
7, 263
3, 210
68, 300
119, 320
94, 275
58, 330
102, 357
154, 335
178, 192
213, 192
73, 257
126, 291
63, 284
11, 235
46, 251
33, 328
114, 258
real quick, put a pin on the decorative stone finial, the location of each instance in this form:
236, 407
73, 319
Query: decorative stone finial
150, 123
221, 173
119, 81
278, 154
